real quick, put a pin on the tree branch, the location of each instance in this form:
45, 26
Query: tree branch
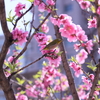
65, 63
26, 66
4, 83
22, 16
25, 48
94, 82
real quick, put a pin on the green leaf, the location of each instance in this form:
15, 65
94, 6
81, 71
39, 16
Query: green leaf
38, 75
97, 89
90, 0
12, 67
6, 63
9, 20
55, 9
92, 67
12, 18
30, 82
22, 92
99, 82
30, 0
39, 72
18, 48
95, 38
72, 59
93, 9
20, 81
21, 57
44, 63
59, 53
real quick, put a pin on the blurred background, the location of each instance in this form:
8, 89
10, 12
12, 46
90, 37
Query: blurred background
64, 7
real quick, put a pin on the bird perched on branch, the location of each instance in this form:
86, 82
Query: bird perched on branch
52, 44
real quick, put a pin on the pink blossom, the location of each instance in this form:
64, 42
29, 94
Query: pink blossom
78, 28
18, 9
65, 19
69, 31
10, 59
84, 4
80, 0
61, 84
67, 98
96, 93
91, 76
19, 36
87, 81
47, 77
37, 2
92, 23
82, 94
89, 46
8, 51
48, 80
31, 91
7, 72
57, 88
73, 65
50, 2
78, 71
81, 36
21, 97
70, 28
99, 2
45, 28
77, 46
98, 10
53, 58
76, 68
84, 87
81, 56
55, 21
99, 50
42, 39
42, 7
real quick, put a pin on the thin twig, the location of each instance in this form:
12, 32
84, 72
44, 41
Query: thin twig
43, 20
53, 93
26, 66
22, 16
94, 82
31, 25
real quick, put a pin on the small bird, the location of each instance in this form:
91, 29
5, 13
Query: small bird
52, 44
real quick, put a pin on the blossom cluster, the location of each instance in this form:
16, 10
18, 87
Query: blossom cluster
51, 79
43, 40
84, 89
43, 6
19, 7
50, 73
19, 36
74, 33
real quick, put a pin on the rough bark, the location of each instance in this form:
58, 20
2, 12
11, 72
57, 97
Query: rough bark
4, 82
